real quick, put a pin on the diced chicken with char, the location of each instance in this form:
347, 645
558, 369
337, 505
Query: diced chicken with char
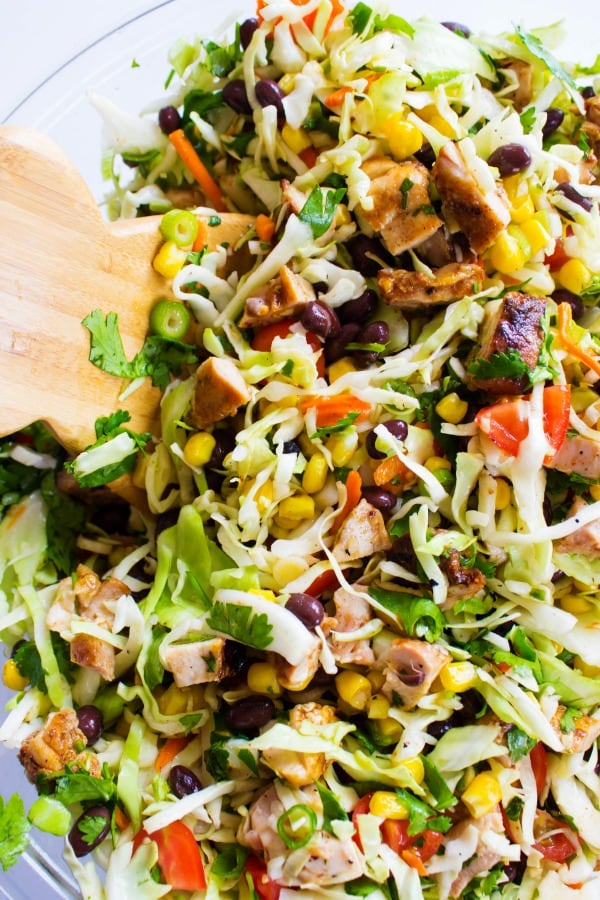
521, 74
297, 677
577, 455
326, 859
219, 392
197, 662
470, 197
402, 212
516, 326
301, 769
93, 600
463, 581
410, 668
280, 298
585, 540
407, 289
363, 533
473, 834
583, 734
55, 745
591, 128
351, 613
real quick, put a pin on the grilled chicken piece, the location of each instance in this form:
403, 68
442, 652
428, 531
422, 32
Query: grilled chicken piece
301, 769
362, 534
482, 856
523, 72
581, 737
405, 289
586, 540
410, 669
296, 678
49, 749
402, 212
578, 455
197, 662
463, 581
219, 392
351, 613
516, 325
281, 298
470, 196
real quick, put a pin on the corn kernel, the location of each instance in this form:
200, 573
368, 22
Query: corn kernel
403, 137
595, 491
342, 446
437, 462
482, 794
286, 570
264, 593
353, 689
502, 493
389, 729
433, 118
12, 677
574, 275
169, 260
298, 507
536, 235
416, 768
340, 367
315, 474
377, 678
262, 679
452, 408
287, 82
296, 138
458, 676
138, 476
585, 668
573, 604
521, 208
262, 496
378, 707
507, 256
198, 448
388, 805
176, 700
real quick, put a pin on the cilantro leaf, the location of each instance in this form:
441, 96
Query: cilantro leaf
78, 787
28, 661
91, 827
201, 102
332, 809
421, 816
420, 616
216, 757
568, 720
537, 49
102, 471
519, 743
65, 518
340, 425
14, 829
241, 623
500, 365
245, 756
320, 208
437, 785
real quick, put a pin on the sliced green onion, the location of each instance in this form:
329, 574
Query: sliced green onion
49, 815
179, 226
297, 825
170, 319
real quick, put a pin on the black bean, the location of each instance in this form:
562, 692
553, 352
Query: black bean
247, 29
169, 119
458, 28
77, 833
437, 729
91, 722
572, 194
335, 347
236, 657
510, 159
225, 442
250, 713
235, 95
268, 93
397, 427
379, 497
306, 608
321, 319
426, 155
554, 119
359, 309
112, 517
515, 870
368, 254
375, 333
167, 519
291, 447
182, 781
588, 92
561, 295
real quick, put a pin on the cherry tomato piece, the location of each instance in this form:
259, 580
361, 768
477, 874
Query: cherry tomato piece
265, 887
178, 856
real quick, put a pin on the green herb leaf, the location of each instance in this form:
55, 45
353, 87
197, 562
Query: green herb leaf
91, 828
29, 663
568, 720
216, 757
514, 809
537, 49
332, 809
320, 208
421, 816
405, 187
420, 616
246, 756
201, 103
528, 117
340, 425
80, 787
519, 743
435, 781
241, 623
500, 365
14, 831
65, 519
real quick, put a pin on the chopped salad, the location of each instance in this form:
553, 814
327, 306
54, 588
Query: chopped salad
342, 636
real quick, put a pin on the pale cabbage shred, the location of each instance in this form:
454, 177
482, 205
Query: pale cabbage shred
257, 555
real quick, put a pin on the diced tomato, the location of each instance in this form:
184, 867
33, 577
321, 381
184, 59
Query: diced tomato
309, 156
265, 887
326, 581
553, 844
178, 856
539, 763
424, 845
506, 423
558, 257
265, 336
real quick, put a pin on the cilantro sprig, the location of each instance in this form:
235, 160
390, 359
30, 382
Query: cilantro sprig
14, 831
241, 623
320, 208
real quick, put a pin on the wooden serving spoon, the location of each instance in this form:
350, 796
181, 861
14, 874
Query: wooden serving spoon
59, 260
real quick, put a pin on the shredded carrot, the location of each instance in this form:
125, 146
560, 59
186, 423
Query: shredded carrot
309, 20
265, 227
331, 409
188, 155
121, 820
414, 861
353, 493
337, 97
202, 237
390, 468
564, 323
169, 751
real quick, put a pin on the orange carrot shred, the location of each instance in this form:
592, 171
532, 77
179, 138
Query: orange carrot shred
389, 468
564, 323
353, 493
169, 751
414, 861
336, 98
121, 820
188, 155
201, 238
331, 409
265, 227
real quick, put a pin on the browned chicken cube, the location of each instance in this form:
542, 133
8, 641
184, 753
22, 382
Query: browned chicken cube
478, 206
515, 326
586, 539
411, 668
463, 581
402, 212
301, 769
581, 736
219, 392
351, 613
485, 857
577, 455
405, 289
282, 297
197, 662
362, 534
56, 744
